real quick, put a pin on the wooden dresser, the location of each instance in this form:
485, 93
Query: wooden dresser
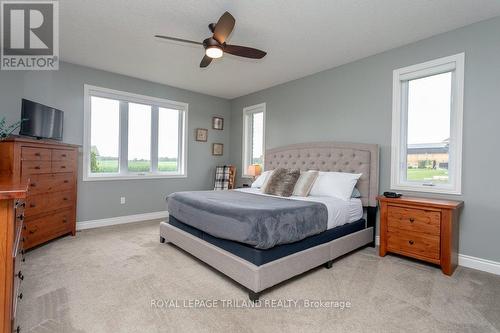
11, 253
421, 228
50, 168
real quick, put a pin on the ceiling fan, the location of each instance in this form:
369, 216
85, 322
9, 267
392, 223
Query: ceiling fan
216, 46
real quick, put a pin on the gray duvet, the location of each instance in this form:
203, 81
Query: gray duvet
260, 221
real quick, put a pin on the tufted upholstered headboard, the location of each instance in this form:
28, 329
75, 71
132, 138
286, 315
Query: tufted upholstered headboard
332, 156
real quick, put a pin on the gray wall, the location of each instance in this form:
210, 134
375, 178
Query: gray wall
353, 103
63, 89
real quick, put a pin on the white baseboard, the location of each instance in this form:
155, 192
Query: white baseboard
120, 220
484, 265
480, 264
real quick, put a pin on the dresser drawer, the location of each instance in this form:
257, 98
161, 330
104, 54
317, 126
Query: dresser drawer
63, 155
63, 166
35, 167
41, 203
48, 227
47, 183
35, 154
411, 243
414, 220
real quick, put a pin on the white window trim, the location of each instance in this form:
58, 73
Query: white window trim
89, 91
398, 153
246, 112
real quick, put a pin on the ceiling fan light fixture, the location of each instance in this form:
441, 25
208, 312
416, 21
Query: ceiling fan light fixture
214, 52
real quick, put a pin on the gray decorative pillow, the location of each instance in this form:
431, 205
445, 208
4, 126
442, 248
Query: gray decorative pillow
282, 182
355, 193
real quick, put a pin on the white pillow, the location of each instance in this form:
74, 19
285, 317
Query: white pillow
335, 184
259, 182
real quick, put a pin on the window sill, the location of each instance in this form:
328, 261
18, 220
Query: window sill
130, 177
426, 189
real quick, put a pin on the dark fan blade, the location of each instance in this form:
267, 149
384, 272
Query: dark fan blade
179, 39
224, 27
205, 61
244, 51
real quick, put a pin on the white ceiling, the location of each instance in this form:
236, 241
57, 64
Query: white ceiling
301, 37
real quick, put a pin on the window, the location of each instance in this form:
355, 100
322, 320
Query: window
254, 118
130, 136
427, 126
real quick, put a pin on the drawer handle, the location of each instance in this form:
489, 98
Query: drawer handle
63, 155
37, 154
31, 232
412, 219
33, 184
66, 181
20, 296
20, 276
20, 217
18, 329
64, 220
37, 167
411, 242
65, 199
23, 260
63, 167
24, 227
32, 205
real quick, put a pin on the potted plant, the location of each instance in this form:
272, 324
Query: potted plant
6, 130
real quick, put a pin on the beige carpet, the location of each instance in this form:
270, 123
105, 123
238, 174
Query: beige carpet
104, 280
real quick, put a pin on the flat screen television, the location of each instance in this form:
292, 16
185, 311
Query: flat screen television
41, 121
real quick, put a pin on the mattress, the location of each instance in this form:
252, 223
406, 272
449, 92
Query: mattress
259, 256
340, 211
256, 220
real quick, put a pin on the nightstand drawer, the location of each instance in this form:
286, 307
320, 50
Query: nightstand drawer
411, 243
413, 220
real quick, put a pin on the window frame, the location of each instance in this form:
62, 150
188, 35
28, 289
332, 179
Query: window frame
247, 113
455, 65
123, 98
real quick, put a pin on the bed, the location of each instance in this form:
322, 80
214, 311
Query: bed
237, 232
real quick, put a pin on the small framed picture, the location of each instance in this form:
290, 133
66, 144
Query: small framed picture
201, 134
218, 149
218, 123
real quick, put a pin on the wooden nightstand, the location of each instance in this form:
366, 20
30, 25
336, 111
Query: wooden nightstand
421, 228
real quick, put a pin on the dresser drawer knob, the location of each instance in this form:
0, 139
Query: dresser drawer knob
65, 199
411, 242
37, 154
63, 155
63, 167
20, 276
37, 167
20, 296
20, 217
33, 184
66, 181
412, 219
32, 205
64, 220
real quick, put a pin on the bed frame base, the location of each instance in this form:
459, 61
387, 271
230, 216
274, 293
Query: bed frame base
258, 278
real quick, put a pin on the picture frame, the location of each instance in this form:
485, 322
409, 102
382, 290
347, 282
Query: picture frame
218, 123
201, 135
217, 149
